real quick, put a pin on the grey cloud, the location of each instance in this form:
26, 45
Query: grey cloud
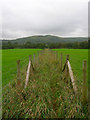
31, 17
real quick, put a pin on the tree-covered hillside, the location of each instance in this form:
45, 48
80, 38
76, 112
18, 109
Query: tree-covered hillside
46, 39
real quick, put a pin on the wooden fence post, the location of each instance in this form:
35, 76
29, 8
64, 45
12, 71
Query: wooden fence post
28, 72
67, 58
30, 59
84, 89
18, 72
67, 72
72, 78
61, 56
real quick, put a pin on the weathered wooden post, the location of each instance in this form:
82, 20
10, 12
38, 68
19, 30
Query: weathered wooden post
67, 57
18, 72
67, 72
84, 89
30, 59
72, 78
28, 72
61, 56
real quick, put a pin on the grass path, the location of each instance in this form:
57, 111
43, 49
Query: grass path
46, 96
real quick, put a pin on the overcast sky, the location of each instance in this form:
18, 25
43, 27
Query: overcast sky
20, 18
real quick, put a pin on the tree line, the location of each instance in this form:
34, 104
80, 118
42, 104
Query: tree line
75, 45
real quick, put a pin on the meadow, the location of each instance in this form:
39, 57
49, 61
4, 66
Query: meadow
76, 57
9, 62
9, 58
47, 94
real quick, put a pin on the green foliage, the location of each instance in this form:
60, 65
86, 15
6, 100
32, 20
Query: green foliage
47, 41
76, 45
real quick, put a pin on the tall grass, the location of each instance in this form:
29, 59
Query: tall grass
46, 96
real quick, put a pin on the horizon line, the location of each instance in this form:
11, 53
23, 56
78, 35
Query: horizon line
44, 35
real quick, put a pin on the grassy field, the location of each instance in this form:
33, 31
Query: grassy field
76, 57
47, 94
9, 58
0, 82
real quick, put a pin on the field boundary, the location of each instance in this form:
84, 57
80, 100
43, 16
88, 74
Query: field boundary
67, 69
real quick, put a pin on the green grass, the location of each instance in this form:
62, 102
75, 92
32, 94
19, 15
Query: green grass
9, 65
76, 57
9, 58
0, 83
47, 94
0, 70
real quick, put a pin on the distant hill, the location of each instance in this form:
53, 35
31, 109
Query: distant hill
46, 39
